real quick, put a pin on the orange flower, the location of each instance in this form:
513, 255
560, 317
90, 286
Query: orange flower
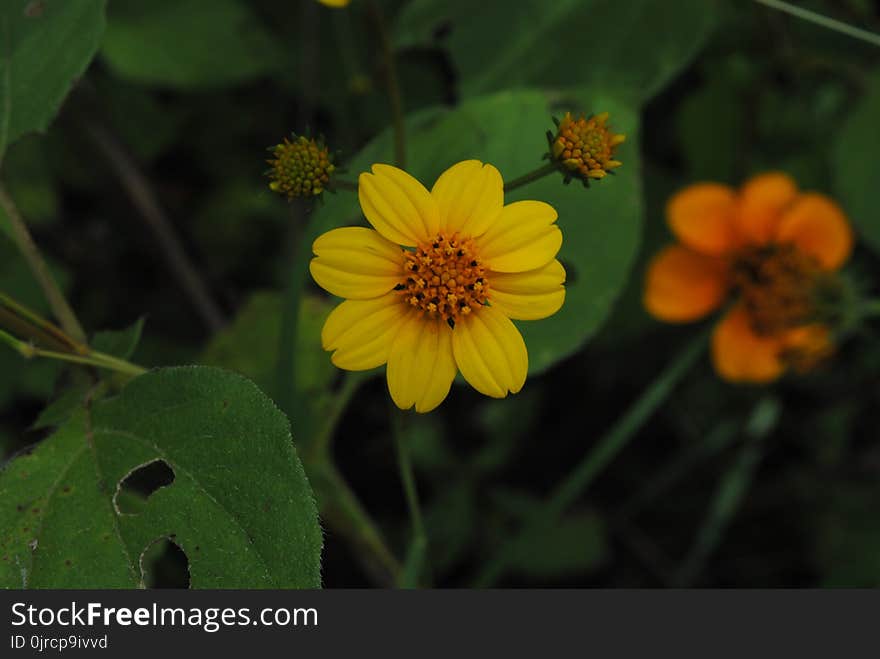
773, 247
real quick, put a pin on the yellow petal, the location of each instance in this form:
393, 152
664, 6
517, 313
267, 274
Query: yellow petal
360, 332
356, 262
420, 365
398, 206
335, 3
528, 295
490, 352
524, 237
470, 196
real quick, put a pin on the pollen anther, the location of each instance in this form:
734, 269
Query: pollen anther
448, 280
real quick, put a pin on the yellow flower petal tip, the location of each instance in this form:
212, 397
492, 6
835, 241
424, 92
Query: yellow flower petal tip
433, 287
300, 167
585, 147
336, 4
776, 250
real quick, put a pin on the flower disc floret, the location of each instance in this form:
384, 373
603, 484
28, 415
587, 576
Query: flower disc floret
300, 168
586, 146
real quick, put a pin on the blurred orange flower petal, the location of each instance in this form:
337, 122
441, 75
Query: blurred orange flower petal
702, 216
740, 355
683, 285
762, 202
818, 227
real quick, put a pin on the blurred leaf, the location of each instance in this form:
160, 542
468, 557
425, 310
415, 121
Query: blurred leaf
600, 226
250, 345
239, 505
62, 408
119, 343
576, 544
44, 47
451, 522
187, 43
632, 48
29, 180
856, 174
848, 537
711, 126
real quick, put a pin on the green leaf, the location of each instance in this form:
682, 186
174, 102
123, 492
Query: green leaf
187, 43
119, 343
857, 176
631, 47
575, 544
239, 506
250, 344
600, 226
44, 47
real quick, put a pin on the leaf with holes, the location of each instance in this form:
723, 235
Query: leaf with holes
631, 47
236, 502
44, 46
601, 226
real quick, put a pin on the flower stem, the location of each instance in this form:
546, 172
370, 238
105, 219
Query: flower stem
340, 184
393, 84
823, 21
319, 445
729, 494
24, 322
415, 558
93, 358
532, 176
31, 253
608, 447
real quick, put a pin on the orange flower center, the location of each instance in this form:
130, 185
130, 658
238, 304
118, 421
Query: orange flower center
778, 285
444, 278
586, 146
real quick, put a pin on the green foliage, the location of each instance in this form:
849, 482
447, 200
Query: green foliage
856, 174
628, 48
239, 506
250, 344
188, 43
600, 227
44, 47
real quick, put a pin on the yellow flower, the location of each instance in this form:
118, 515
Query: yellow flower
432, 288
335, 3
585, 147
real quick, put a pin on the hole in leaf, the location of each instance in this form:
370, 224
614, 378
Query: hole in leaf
134, 490
164, 565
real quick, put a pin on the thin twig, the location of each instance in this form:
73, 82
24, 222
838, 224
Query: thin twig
823, 21
532, 176
26, 245
415, 560
144, 198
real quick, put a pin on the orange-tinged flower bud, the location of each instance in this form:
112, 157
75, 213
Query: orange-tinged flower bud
585, 147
